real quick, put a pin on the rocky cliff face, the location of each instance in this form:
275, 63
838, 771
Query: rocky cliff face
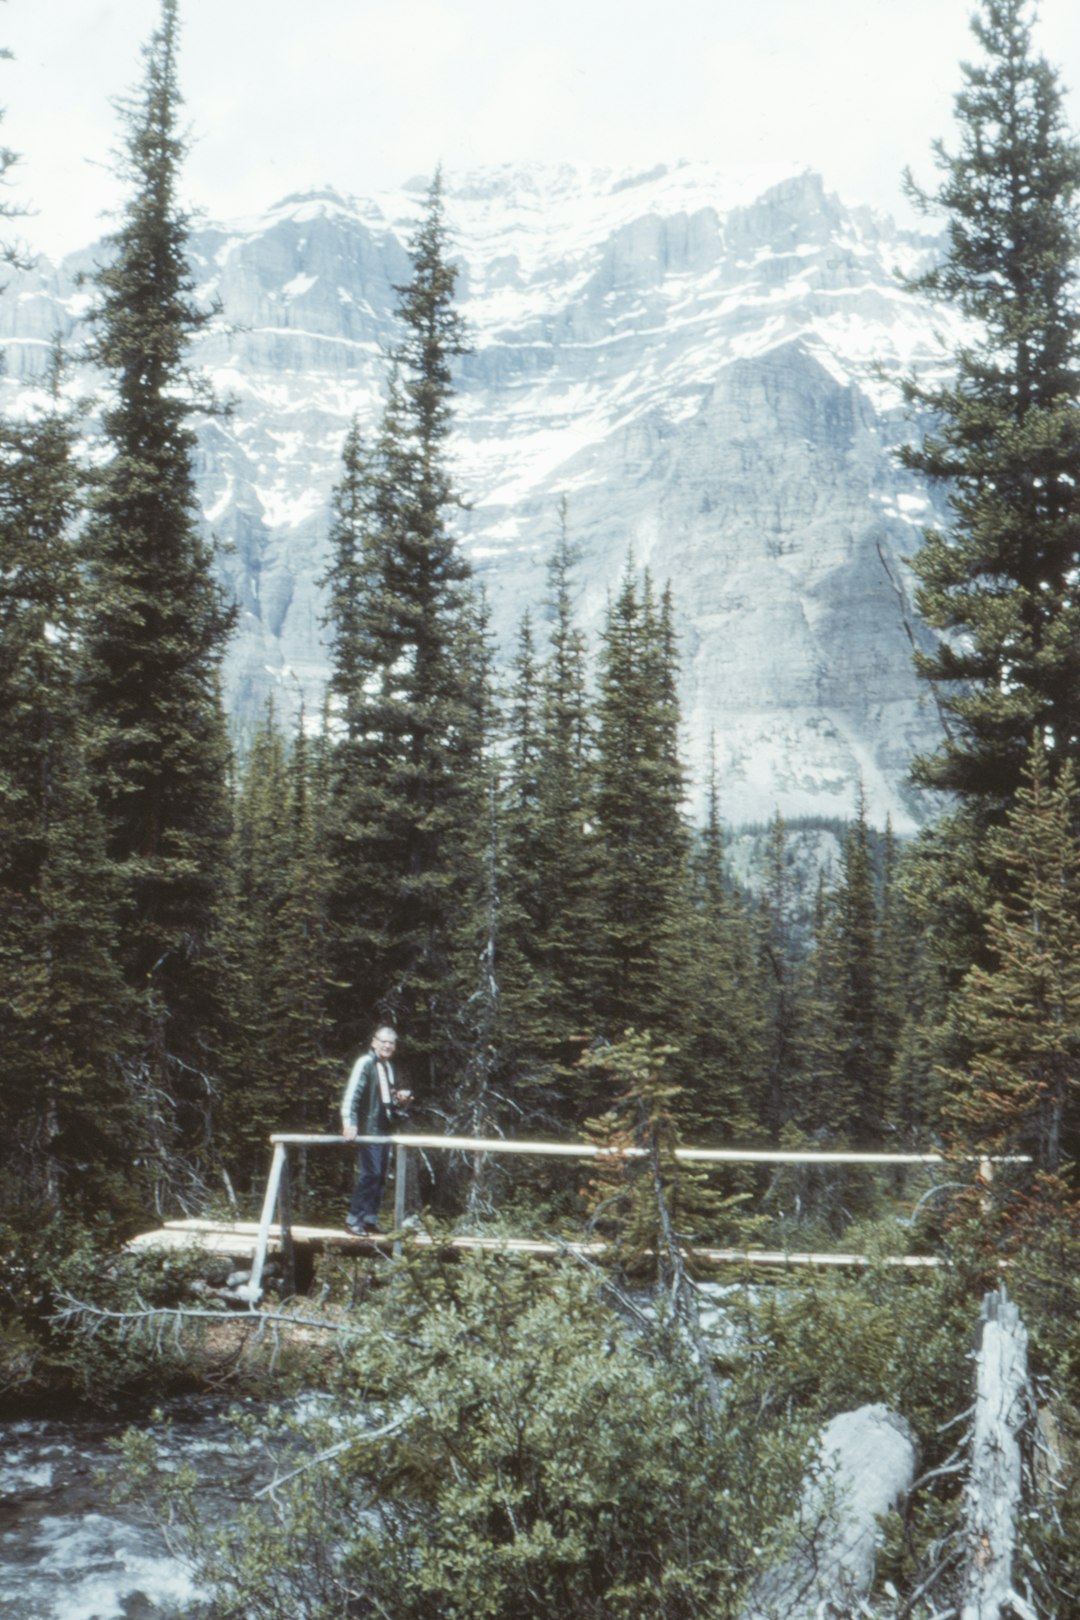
703, 373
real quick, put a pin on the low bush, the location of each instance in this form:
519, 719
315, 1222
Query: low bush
498, 1445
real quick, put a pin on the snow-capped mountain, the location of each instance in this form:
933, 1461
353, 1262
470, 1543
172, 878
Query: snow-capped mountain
706, 370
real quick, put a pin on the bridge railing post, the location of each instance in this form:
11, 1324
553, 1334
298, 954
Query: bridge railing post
288, 1248
401, 1177
262, 1241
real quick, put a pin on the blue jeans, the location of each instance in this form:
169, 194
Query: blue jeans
367, 1194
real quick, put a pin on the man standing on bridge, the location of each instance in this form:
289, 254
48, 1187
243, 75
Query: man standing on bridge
367, 1109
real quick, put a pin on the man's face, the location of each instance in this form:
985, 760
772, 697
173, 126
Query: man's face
384, 1043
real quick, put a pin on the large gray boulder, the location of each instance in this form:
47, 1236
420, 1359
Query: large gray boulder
866, 1466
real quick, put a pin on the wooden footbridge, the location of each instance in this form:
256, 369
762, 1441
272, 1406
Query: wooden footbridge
276, 1234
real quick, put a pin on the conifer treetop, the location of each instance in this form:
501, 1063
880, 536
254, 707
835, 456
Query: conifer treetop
1003, 582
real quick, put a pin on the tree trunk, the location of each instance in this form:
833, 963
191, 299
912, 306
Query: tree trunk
1003, 1404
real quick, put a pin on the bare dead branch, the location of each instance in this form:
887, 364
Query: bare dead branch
93, 1317
330, 1453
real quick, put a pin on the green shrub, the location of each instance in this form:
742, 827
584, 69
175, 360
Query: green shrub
837, 1341
499, 1445
50, 1346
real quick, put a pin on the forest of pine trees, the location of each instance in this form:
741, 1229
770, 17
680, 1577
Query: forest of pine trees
194, 938
496, 855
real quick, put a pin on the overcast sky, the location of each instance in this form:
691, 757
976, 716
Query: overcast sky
283, 95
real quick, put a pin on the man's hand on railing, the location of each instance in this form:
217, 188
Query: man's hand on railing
349, 1132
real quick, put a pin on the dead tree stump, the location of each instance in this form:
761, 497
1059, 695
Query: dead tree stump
1003, 1407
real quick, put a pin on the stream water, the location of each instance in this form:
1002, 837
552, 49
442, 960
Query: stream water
67, 1551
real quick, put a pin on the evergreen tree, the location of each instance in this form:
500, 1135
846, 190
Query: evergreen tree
724, 1033
564, 922
298, 1003
905, 976
359, 844
281, 1058
945, 889
474, 1042
523, 762
896, 958
851, 991
64, 1113
1020, 1087
261, 855
642, 1198
351, 579
820, 1102
642, 842
777, 958
158, 624
409, 783
549, 920
859, 1110
523, 900
1003, 582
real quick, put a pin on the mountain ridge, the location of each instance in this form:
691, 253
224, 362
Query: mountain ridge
704, 369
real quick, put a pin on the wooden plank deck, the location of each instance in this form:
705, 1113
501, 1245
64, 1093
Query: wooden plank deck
240, 1239
297, 1245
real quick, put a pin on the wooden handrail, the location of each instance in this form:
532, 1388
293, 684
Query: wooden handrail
590, 1150
276, 1186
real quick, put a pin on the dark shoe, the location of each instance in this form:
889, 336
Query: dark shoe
357, 1228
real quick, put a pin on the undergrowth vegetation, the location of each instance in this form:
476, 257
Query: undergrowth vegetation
503, 1438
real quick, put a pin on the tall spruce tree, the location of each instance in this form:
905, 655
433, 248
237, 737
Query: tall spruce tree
549, 922
159, 624
472, 1043
897, 953
781, 993
819, 1095
1003, 581
860, 1109
351, 579
903, 978
566, 796
945, 889
642, 839
260, 855
298, 1003
280, 1059
724, 1030
521, 864
359, 845
66, 1125
409, 783
1019, 1089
